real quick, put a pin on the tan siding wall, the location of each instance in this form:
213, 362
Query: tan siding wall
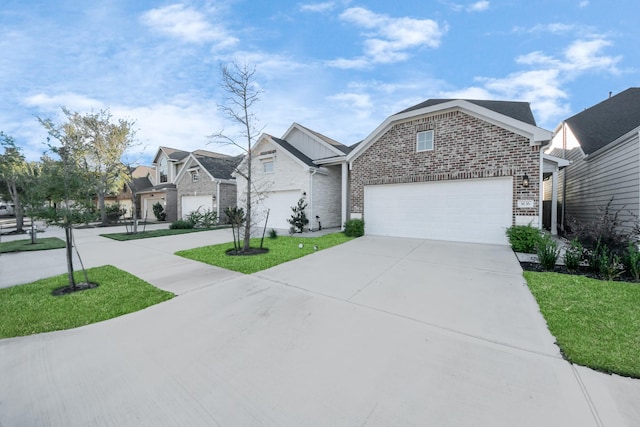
327, 198
592, 182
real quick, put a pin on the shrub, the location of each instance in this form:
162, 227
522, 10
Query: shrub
158, 211
604, 231
608, 264
181, 224
632, 261
273, 234
573, 255
206, 219
524, 238
354, 228
548, 252
299, 218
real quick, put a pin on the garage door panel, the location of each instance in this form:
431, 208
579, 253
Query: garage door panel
193, 203
279, 205
463, 210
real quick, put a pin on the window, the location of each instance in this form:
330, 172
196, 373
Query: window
424, 141
195, 176
267, 166
163, 170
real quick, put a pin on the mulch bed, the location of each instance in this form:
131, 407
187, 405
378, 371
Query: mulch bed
66, 290
582, 271
250, 251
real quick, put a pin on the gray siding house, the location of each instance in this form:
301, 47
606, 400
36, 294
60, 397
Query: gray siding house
603, 145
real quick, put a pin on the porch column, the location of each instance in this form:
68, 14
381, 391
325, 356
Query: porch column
554, 202
345, 189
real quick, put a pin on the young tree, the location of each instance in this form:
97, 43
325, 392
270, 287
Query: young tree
12, 167
66, 184
102, 145
242, 92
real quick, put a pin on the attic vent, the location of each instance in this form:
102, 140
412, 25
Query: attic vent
264, 153
424, 126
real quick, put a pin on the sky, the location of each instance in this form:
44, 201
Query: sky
338, 67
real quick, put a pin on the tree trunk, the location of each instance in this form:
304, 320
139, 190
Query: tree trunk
102, 207
247, 226
17, 208
68, 234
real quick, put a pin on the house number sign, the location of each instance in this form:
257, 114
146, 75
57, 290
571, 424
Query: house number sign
526, 203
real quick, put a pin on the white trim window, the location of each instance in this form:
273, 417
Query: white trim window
267, 166
424, 141
195, 176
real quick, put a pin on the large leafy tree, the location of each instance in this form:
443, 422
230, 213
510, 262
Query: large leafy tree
102, 142
12, 168
242, 93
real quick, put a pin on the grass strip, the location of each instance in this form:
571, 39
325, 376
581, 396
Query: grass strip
156, 233
31, 309
23, 245
596, 323
281, 250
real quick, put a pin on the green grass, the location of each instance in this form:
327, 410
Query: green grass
31, 309
25, 245
156, 233
281, 250
596, 322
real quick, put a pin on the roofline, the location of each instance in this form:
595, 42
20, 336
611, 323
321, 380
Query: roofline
561, 162
266, 136
536, 134
308, 131
184, 168
618, 140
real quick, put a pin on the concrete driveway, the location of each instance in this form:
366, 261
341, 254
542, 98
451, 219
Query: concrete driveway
377, 332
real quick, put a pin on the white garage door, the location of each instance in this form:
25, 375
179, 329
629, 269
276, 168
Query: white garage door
477, 210
193, 203
279, 203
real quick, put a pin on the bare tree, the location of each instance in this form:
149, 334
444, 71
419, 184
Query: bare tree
242, 92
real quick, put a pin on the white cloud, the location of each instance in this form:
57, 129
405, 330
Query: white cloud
188, 25
389, 39
318, 7
543, 84
583, 4
349, 64
479, 6
53, 103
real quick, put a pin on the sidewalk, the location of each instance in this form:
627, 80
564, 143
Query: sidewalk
150, 259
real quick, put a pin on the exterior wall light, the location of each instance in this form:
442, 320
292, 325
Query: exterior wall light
525, 180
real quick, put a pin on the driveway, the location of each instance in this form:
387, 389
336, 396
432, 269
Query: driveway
377, 331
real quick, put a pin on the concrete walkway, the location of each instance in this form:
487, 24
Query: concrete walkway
375, 332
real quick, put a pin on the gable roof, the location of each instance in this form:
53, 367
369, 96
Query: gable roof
516, 110
479, 109
325, 138
139, 184
171, 153
219, 167
606, 121
293, 151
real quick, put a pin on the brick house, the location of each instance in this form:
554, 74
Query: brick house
205, 183
301, 164
185, 181
461, 170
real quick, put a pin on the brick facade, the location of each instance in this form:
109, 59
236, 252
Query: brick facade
464, 147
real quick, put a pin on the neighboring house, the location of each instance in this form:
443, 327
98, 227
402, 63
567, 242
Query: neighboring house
178, 187
603, 145
142, 179
301, 164
205, 183
451, 169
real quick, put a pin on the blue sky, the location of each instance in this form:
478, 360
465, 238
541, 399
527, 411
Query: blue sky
337, 67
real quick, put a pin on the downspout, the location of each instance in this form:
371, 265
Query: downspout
345, 189
311, 174
218, 199
540, 186
564, 175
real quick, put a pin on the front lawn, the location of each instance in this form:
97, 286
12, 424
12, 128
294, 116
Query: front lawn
281, 250
156, 233
596, 322
26, 245
31, 309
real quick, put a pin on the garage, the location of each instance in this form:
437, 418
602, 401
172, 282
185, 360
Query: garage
193, 203
476, 210
279, 203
